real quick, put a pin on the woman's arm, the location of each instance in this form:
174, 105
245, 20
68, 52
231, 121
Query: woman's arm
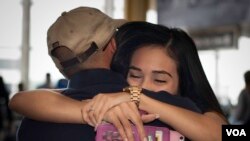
193, 125
50, 105
47, 105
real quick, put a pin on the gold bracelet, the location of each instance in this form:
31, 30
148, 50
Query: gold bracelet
135, 93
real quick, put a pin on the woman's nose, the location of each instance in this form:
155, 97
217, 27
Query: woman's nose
147, 85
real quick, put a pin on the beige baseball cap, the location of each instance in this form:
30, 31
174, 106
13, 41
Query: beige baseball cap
82, 30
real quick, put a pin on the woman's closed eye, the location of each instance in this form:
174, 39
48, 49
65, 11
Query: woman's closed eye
135, 76
160, 77
135, 73
160, 81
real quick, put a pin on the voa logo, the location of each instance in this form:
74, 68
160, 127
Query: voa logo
236, 132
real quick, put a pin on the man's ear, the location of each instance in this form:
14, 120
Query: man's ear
112, 45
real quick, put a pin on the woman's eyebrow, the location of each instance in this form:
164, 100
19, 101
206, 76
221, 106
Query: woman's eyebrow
162, 72
134, 68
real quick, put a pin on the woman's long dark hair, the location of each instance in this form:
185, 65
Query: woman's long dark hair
193, 82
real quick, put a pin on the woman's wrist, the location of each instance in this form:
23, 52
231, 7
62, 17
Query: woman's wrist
134, 92
121, 97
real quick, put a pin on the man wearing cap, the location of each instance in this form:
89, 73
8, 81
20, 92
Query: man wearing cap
81, 45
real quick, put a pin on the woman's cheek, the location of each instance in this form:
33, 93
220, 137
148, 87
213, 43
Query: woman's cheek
133, 82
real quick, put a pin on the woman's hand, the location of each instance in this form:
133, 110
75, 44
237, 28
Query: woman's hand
96, 108
123, 116
126, 114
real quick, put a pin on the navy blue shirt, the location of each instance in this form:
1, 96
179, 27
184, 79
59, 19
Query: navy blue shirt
85, 85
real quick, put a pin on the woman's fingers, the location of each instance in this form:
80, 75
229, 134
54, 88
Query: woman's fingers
101, 103
120, 120
97, 105
87, 118
134, 116
91, 116
149, 117
102, 112
126, 113
125, 121
87, 112
112, 117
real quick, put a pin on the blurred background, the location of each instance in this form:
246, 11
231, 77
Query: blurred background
220, 28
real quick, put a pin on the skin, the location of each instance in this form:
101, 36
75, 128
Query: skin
153, 73
117, 110
160, 74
